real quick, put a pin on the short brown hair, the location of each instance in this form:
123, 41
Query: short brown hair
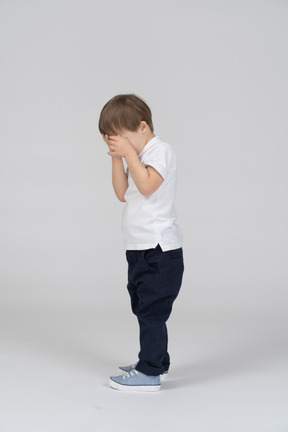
124, 111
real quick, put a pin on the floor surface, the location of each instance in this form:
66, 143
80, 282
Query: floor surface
229, 373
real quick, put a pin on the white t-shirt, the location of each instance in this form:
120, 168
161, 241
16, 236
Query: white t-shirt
149, 220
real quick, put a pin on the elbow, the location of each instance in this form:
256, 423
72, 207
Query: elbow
121, 197
145, 192
146, 188
120, 193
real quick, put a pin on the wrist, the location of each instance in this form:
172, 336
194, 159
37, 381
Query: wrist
131, 152
116, 158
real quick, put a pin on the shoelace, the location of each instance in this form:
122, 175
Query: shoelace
129, 374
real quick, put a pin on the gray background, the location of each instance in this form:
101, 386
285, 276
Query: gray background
215, 76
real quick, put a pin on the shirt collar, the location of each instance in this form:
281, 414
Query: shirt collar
149, 144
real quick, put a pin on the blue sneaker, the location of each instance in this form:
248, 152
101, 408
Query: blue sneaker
135, 381
132, 366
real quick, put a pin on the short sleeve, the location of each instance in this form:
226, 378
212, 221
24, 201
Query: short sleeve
160, 157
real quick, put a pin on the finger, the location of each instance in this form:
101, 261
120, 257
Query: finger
112, 138
112, 146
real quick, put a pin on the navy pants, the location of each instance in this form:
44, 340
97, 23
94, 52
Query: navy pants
154, 281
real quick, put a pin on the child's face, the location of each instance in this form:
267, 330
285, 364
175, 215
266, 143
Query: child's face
139, 138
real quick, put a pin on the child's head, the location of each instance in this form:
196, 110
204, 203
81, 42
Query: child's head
124, 112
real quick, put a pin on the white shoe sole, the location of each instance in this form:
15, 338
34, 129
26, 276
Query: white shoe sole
144, 388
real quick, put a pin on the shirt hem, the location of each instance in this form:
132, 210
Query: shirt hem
144, 246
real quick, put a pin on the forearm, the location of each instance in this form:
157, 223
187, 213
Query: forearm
138, 172
119, 178
147, 179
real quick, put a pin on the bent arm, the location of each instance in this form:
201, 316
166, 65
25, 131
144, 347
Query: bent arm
147, 179
119, 178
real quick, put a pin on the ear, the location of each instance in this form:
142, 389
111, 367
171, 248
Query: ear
143, 126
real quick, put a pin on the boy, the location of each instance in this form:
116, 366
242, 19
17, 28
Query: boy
153, 241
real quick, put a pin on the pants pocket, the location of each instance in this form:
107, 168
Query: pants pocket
150, 258
172, 275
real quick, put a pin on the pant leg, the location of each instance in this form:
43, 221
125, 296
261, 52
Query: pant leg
165, 362
155, 279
